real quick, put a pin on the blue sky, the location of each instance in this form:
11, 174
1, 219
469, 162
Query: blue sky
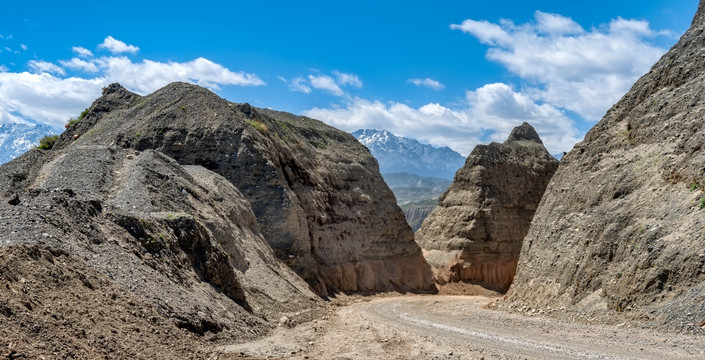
451, 73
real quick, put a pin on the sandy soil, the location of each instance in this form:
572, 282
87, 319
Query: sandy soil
458, 327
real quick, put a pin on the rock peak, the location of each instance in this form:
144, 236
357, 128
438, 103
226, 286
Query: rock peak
524, 132
114, 88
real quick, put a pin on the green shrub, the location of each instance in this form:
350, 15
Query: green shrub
702, 202
47, 142
80, 117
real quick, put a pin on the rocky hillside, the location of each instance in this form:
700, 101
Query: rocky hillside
316, 192
107, 251
417, 212
400, 154
622, 225
16, 139
476, 231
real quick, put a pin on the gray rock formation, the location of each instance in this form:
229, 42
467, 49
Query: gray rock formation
180, 240
416, 213
476, 231
316, 192
622, 220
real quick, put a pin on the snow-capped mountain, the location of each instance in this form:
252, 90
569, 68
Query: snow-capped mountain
401, 154
16, 139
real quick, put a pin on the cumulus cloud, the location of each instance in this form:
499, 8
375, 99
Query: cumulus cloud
78, 64
81, 51
3, 68
148, 75
489, 114
24, 47
116, 46
584, 71
325, 82
45, 67
429, 83
46, 95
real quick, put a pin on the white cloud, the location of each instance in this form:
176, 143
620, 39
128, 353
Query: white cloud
299, 84
116, 46
427, 82
48, 96
81, 51
491, 112
3, 68
325, 82
554, 24
148, 75
24, 47
328, 83
78, 64
348, 79
566, 66
45, 97
45, 67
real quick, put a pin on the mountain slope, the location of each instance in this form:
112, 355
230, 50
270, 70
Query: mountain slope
621, 225
16, 139
316, 192
399, 154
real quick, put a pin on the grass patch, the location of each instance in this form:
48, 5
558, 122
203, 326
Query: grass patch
47, 142
702, 202
262, 128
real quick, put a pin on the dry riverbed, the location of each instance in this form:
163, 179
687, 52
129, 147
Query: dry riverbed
457, 327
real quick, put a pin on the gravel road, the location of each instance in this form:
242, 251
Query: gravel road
459, 327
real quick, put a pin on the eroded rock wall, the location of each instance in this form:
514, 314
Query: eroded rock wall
476, 231
622, 219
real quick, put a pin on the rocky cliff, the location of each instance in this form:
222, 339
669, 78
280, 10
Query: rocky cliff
622, 222
99, 243
315, 191
476, 231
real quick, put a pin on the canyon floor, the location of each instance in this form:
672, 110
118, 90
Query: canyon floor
457, 327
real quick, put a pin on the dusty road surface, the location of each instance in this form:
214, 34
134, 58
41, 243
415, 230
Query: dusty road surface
459, 327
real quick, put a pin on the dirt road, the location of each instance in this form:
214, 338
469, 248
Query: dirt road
459, 327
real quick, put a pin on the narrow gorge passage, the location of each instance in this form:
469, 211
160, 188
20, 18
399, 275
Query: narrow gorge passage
459, 327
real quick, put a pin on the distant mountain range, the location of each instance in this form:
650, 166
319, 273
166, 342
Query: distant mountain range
16, 139
400, 154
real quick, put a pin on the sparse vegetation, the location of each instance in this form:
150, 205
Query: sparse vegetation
79, 118
702, 202
47, 142
693, 186
138, 134
259, 126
